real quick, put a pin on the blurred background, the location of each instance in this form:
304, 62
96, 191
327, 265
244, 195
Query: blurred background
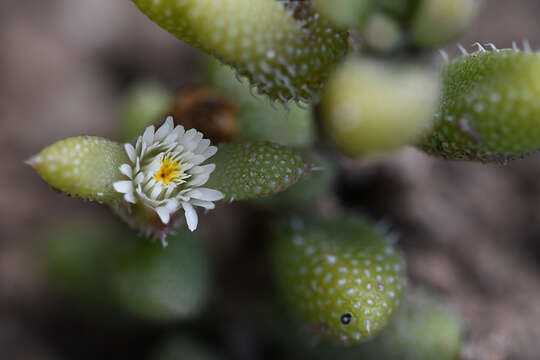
470, 232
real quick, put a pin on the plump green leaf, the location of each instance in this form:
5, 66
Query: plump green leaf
372, 108
284, 48
256, 169
163, 284
490, 109
83, 166
342, 278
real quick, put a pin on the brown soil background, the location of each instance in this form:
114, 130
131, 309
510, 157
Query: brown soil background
471, 232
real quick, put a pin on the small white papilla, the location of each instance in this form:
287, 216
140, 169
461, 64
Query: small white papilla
165, 172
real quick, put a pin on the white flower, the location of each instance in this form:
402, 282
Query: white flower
165, 172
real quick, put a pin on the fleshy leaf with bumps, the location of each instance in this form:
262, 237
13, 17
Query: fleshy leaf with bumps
256, 169
343, 278
371, 108
305, 191
284, 48
83, 166
490, 109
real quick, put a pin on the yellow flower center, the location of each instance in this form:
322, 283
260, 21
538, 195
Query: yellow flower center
169, 171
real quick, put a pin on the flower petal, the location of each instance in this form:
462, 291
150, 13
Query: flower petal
172, 205
139, 178
174, 135
211, 151
203, 145
130, 198
208, 205
208, 168
124, 186
206, 194
191, 216
199, 179
130, 151
164, 214
126, 170
148, 136
164, 129
194, 142
156, 191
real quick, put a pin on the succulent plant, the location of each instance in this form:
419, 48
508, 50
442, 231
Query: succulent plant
284, 48
342, 278
82, 166
439, 21
490, 108
256, 169
372, 108
163, 285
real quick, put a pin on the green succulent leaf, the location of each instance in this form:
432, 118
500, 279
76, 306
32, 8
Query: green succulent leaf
163, 284
342, 278
256, 169
106, 268
76, 258
306, 190
82, 166
372, 108
283, 47
490, 109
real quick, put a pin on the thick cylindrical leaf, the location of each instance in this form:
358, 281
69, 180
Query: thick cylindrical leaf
163, 284
83, 166
490, 109
371, 107
283, 47
342, 278
256, 169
